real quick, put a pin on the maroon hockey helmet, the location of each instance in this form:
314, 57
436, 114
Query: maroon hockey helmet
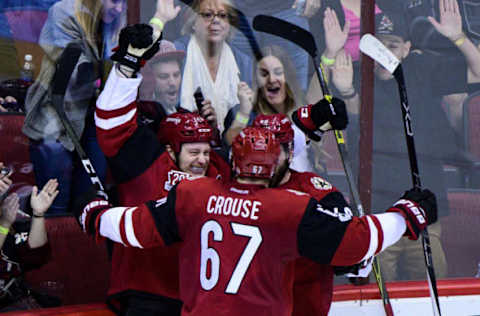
279, 124
255, 153
180, 128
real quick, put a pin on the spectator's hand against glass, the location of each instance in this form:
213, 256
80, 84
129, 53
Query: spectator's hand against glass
245, 95
5, 181
208, 113
342, 73
166, 11
335, 37
10, 99
5, 101
2, 109
9, 210
311, 7
41, 201
450, 24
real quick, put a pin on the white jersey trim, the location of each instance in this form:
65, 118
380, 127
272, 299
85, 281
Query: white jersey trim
393, 226
373, 239
113, 122
110, 224
118, 92
129, 230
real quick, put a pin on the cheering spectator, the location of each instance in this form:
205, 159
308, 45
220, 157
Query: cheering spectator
95, 24
24, 246
211, 63
428, 78
296, 12
277, 91
163, 76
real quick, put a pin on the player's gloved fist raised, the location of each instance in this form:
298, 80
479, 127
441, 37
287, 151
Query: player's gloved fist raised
315, 119
419, 208
137, 44
87, 208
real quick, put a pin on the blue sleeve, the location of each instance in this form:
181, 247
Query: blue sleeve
245, 65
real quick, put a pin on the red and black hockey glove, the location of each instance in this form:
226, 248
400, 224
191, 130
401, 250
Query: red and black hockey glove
137, 44
313, 119
419, 208
87, 208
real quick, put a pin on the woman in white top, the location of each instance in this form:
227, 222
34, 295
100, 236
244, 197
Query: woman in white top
210, 62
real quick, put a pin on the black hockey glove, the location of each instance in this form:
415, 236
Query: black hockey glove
137, 44
87, 207
419, 208
313, 119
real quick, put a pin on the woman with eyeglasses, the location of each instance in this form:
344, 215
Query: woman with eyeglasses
211, 63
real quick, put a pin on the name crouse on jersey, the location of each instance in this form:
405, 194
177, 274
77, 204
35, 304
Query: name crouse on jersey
236, 241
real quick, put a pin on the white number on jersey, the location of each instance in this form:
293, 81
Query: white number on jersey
210, 254
344, 216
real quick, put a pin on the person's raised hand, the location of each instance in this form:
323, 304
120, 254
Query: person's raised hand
41, 201
450, 24
245, 95
166, 10
335, 37
342, 73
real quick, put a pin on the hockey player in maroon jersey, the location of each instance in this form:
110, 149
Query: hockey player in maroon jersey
313, 283
237, 238
145, 166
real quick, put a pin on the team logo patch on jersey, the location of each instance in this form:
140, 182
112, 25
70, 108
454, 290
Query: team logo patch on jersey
174, 177
320, 184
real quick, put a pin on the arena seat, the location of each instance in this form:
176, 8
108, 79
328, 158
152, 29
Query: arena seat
15, 154
79, 269
460, 234
471, 126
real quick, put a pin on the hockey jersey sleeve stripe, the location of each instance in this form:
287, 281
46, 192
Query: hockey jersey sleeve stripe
115, 113
129, 229
393, 227
118, 92
110, 226
380, 236
113, 122
374, 233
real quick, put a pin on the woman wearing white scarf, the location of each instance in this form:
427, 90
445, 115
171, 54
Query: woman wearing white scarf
210, 62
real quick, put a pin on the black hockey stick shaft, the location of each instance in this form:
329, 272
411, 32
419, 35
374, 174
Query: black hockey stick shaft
64, 69
412, 155
305, 40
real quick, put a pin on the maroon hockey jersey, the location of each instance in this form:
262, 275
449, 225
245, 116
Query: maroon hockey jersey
237, 241
313, 282
143, 171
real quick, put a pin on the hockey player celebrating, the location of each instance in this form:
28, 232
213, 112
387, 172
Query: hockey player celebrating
146, 166
313, 282
237, 238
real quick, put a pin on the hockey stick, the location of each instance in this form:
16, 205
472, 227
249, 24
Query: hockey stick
64, 69
372, 47
305, 40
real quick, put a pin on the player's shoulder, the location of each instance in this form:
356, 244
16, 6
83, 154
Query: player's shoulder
285, 195
199, 183
310, 181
